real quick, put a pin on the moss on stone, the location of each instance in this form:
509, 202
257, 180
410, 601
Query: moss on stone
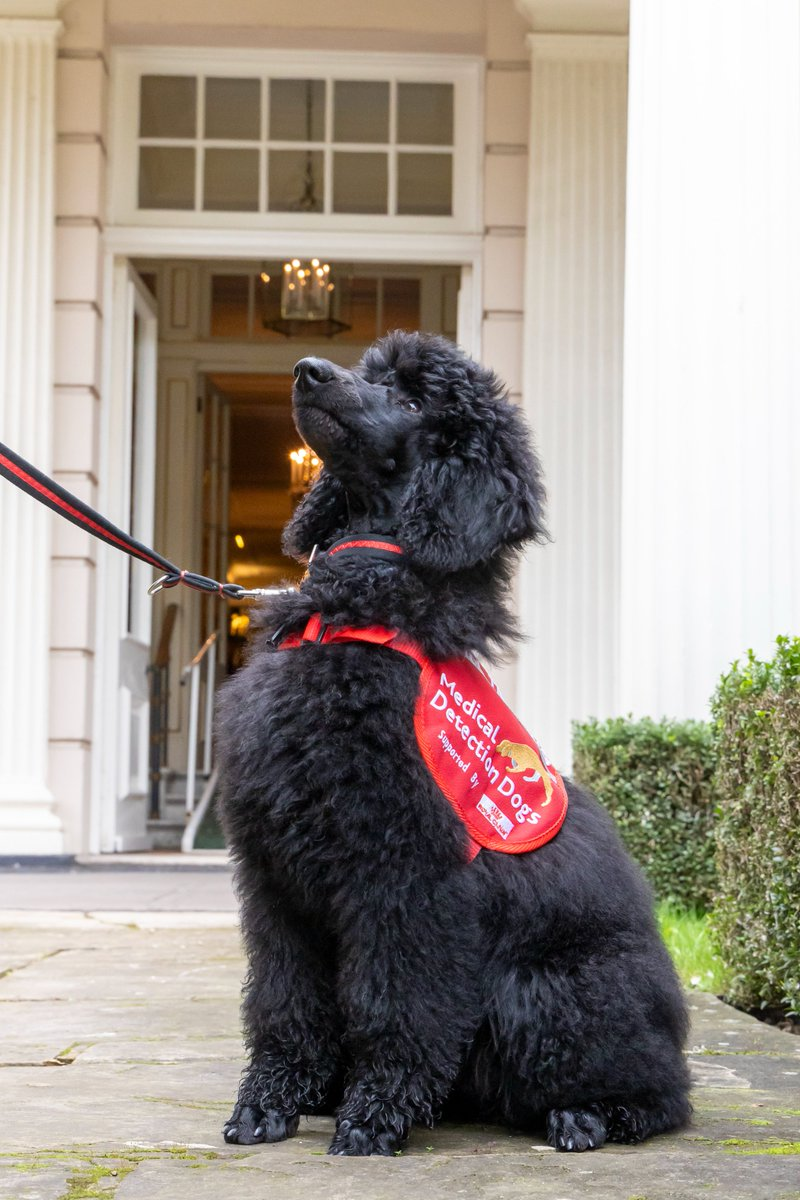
766, 1146
95, 1181
708, 1052
95, 1175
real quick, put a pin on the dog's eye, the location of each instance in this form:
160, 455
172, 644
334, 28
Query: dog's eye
411, 404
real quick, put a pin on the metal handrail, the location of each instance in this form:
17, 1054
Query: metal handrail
193, 670
195, 815
201, 653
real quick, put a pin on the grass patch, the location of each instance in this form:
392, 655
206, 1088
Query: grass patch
688, 939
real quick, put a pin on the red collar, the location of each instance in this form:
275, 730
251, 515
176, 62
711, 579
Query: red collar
368, 545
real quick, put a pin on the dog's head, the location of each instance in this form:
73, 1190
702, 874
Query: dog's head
421, 442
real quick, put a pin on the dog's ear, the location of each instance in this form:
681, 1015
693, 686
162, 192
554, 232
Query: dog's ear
483, 492
318, 516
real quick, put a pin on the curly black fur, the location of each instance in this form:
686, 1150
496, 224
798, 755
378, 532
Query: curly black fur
389, 980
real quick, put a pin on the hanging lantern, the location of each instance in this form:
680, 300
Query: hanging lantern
307, 290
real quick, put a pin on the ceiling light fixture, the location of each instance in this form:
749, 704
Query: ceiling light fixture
307, 290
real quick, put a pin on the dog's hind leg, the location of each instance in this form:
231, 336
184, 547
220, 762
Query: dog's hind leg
589, 1127
637, 1120
290, 1024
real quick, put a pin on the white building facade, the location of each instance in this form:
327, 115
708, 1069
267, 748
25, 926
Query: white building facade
606, 213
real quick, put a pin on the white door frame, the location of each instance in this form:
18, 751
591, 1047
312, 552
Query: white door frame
125, 243
126, 364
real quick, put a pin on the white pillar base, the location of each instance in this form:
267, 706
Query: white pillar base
28, 825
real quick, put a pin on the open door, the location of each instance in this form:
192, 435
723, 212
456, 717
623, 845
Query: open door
129, 497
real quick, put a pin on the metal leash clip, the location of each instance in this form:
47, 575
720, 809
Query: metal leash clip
156, 587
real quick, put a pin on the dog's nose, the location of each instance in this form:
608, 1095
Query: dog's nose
312, 371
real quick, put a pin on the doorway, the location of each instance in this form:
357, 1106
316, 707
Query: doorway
224, 455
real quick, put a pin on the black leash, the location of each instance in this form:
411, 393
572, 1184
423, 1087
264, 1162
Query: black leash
41, 487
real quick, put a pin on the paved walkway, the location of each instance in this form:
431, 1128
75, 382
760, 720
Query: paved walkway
120, 1052
129, 886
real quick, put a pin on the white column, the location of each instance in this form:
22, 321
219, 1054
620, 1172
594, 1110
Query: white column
28, 824
711, 436
572, 383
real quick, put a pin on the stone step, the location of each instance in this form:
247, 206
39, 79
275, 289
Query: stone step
166, 832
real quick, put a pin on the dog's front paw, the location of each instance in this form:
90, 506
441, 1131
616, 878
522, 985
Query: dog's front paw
576, 1129
357, 1141
249, 1124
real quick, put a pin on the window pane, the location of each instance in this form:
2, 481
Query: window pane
295, 181
229, 305
166, 177
232, 108
425, 185
167, 106
359, 182
360, 111
425, 113
230, 181
297, 110
400, 304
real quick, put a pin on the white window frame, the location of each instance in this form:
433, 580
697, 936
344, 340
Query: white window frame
465, 74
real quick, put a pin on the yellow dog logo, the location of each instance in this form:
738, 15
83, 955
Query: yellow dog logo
522, 759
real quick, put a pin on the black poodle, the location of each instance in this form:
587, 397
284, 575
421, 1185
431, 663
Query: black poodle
392, 977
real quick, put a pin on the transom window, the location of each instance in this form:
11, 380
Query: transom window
315, 142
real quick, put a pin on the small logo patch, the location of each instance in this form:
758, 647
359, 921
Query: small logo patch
488, 809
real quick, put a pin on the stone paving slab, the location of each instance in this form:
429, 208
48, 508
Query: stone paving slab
143, 1018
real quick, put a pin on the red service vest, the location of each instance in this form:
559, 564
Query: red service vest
496, 776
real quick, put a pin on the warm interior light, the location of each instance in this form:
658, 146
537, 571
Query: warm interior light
306, 299
240, 623
305, 465
239, 541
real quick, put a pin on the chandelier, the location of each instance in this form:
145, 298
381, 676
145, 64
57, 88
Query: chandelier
306, 293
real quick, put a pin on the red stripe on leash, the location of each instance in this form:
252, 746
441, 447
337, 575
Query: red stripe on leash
67, 508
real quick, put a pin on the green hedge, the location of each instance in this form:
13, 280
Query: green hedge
756, 915
655, 779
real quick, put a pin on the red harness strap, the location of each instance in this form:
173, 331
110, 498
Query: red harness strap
497, 778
